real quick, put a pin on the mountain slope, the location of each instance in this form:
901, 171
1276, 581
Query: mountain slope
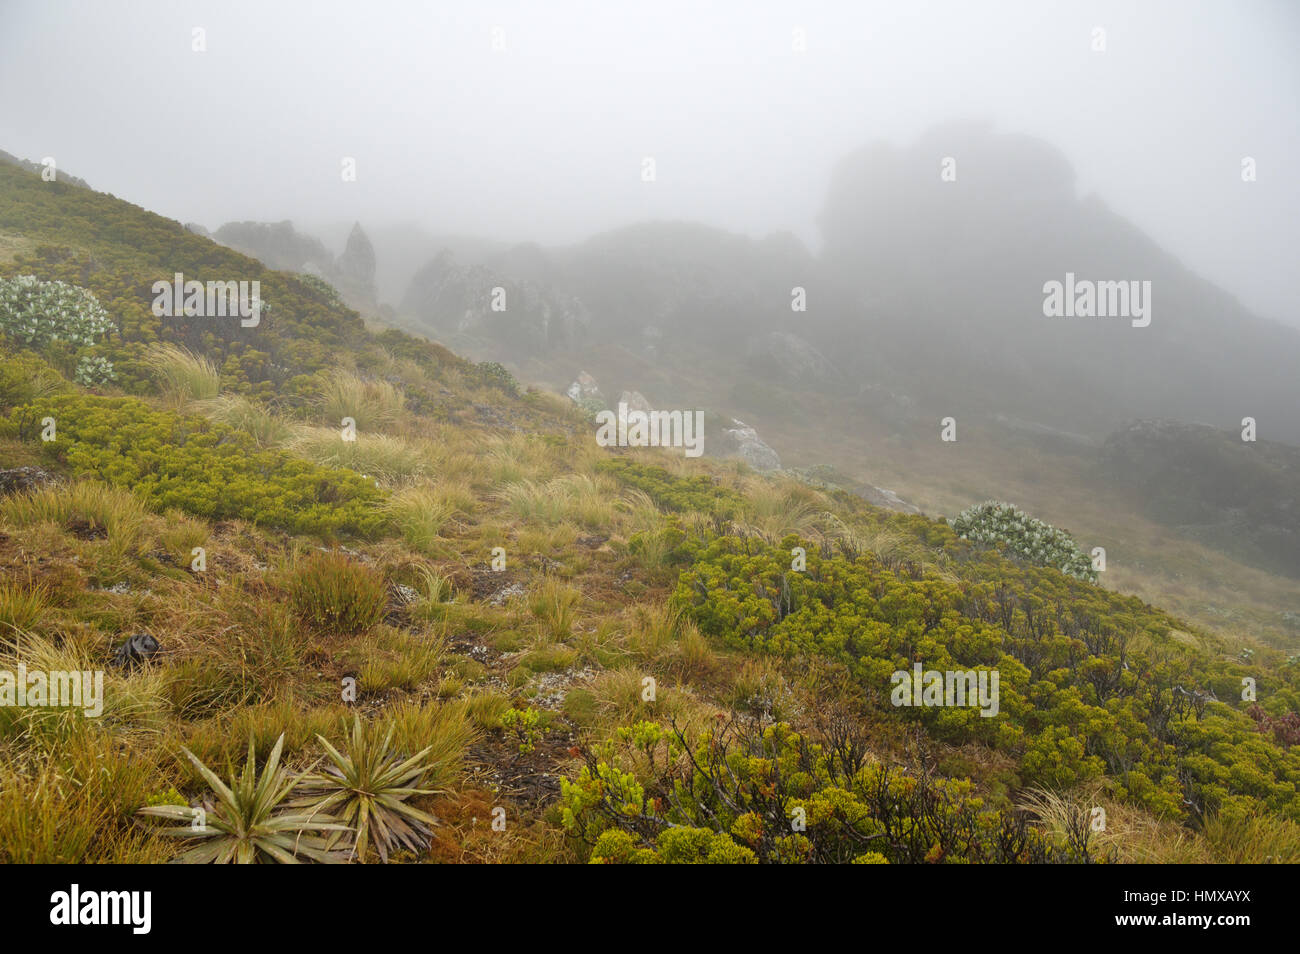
620, 652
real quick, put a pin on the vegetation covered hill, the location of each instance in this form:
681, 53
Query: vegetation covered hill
472, 634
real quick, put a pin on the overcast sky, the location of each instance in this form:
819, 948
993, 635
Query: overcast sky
544, 140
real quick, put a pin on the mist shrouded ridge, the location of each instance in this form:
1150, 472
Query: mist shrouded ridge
931, 287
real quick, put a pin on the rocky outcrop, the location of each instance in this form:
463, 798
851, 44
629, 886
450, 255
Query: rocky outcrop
277, 245
18, 480
355, 269
584, 388
789, 359
827, 477
938, 252
741, 440
519, 316
635, 401
280, 246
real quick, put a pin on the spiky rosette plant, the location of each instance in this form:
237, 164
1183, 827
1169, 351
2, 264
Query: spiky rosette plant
367, 789
245, 825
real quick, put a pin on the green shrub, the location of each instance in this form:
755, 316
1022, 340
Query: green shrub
524, 724
199, 466
699, 494
1091, 682
740, 795
25, 378
495, 375
94, 371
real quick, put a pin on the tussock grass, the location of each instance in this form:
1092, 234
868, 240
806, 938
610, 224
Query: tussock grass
396, 659
1253, 840
558, 539
22, 606
419, 514
618, 695
75, 807
182, 375
654, 630
1133, 835
760, 689
241, 666
463, 467
585, 500
435, 591
372, 404
85, 506
484, 709
639, 511
554, 606
222, 740
772, 511
180, 534
387, 458
886, 544
448, 729
662, 637
458, 494
516, 457
335, 595
130, 703
266, 427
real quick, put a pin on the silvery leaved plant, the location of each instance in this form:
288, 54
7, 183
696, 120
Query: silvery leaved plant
1003, 524
36, 313
94, 371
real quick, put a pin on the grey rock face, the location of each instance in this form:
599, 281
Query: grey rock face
746, 444
355, 268
584, 388
789, 358
20, 479
635, 401
521, 316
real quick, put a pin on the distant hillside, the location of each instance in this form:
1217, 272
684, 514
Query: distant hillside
38, 168
1241, 497
944, 280
281, 246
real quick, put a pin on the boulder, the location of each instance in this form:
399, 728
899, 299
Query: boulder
745, 443
135, 651
584, 388
18, 480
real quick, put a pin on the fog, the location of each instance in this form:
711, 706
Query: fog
544, 139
